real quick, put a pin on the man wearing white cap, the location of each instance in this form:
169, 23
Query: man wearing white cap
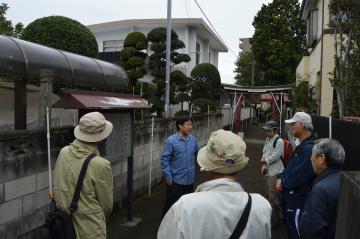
96, 196
296, 180
220, 208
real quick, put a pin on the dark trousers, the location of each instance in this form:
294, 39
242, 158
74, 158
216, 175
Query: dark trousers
292, 220
173, 193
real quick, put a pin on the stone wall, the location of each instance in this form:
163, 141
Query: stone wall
24, 180
24, 177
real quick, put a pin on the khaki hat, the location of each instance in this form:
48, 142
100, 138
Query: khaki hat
93, 128
300, 117
224, 153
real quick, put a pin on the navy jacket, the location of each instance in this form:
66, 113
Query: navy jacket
319, 217
298, 176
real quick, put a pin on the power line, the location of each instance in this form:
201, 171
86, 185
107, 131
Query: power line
188, 2
214, 28
187, 11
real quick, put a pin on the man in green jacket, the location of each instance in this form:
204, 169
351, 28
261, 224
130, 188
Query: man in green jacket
96, 197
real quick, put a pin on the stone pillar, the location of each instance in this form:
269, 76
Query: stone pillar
20, 104
46, 79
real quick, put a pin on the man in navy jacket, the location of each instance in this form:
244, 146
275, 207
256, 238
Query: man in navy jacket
296, 180
320, 211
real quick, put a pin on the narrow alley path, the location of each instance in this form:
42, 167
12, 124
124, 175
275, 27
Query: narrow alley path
149, 209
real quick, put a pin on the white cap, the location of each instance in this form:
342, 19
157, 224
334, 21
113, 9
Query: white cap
300, 117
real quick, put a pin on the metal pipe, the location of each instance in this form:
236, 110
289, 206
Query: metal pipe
130, 174
330, 127
233, 112
277, 106
151, 152
51, 194
20, 104
208, 113
281, 111
167, 73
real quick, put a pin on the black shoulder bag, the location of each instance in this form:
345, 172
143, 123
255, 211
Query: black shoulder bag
243, 220
60, 222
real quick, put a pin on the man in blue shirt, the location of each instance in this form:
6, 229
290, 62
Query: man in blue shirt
177, 162
296, 180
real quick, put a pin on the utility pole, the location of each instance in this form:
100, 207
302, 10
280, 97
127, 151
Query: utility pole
167, 73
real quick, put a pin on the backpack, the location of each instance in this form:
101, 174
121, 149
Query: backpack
287, 150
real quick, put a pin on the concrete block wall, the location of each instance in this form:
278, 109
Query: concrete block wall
202, 128
24, 165
24, 181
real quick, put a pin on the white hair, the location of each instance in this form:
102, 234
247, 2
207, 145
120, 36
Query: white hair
308, 126
334, 152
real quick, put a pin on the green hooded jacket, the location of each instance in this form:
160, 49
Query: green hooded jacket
96, 197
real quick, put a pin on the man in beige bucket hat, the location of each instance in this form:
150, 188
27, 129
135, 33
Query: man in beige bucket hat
214, 210
96, 197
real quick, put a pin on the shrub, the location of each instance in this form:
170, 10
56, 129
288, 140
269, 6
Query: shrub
62, 33
137, 40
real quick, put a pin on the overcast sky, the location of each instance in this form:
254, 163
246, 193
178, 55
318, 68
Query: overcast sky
231, 18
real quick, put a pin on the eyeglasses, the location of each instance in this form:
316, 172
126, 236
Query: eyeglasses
295, 123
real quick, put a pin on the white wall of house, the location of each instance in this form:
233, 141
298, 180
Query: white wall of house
188, 34
302, 71
318, 66
192, 32
328, 68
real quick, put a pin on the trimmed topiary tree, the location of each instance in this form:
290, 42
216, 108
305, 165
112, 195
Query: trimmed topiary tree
207, 81
157, 60
205, 87
133, 56
62, 33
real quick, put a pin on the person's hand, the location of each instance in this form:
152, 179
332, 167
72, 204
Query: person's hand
263, 168
279, 185
168, 183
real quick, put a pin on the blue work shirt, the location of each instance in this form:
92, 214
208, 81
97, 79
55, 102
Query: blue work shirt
177, 159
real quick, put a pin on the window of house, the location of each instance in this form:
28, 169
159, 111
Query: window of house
197, 53
312, 27
113, 45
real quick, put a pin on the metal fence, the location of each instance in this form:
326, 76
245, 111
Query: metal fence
113, 57
346, 132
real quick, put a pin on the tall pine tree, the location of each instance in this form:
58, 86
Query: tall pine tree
279, 41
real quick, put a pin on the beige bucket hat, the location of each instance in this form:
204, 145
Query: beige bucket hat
93, 127
224, 153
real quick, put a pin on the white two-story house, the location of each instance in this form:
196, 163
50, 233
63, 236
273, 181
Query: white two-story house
317, 66
201, 42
